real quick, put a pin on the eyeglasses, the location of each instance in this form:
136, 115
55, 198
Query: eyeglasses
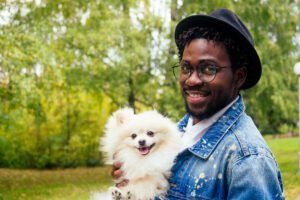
206, 71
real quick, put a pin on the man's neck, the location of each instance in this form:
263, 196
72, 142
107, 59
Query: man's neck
195, 121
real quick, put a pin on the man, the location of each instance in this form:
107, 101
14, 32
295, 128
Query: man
225, 156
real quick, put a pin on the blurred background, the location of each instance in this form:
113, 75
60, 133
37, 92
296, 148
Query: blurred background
66, 65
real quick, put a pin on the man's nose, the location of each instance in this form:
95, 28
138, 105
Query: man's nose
193, 79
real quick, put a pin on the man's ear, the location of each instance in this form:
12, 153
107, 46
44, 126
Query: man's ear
240, 76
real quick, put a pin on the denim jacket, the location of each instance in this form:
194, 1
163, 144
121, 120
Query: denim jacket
230, 161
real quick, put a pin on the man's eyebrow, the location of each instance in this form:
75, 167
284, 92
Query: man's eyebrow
199, 61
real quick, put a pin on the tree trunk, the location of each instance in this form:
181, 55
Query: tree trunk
131, 96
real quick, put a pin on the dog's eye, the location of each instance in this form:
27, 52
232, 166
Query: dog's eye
133, 135
150, 133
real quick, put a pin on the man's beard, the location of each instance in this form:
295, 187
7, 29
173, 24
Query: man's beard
210, 110
199, 116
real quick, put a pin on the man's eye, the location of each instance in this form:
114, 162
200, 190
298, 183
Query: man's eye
133, 135
209, 69
185, 69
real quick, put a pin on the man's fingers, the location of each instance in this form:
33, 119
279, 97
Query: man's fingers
117, 174
122, 184
117, 165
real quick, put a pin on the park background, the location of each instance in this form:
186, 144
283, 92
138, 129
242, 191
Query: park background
66, 65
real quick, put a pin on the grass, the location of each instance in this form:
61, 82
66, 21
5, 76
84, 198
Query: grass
78, 184
286, 153
75, 184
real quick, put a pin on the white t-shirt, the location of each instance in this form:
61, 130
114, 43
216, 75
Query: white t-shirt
193, 133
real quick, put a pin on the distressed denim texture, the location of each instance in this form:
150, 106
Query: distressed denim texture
230, 161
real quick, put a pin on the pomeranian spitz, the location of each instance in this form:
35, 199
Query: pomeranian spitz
146, 144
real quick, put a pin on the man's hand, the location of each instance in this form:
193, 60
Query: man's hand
117, 173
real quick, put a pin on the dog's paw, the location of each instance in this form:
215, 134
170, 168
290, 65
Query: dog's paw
128, 196
116, 194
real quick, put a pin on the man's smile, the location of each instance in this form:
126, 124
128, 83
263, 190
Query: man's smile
196, 96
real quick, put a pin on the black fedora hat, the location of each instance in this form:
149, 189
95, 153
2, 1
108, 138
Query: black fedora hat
230, 23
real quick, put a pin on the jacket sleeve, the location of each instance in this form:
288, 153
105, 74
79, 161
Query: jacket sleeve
255, 177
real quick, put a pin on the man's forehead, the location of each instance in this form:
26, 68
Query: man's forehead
204, 46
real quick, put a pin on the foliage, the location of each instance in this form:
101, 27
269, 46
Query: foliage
66, 65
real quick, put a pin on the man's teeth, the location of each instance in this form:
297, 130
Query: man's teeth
196, 94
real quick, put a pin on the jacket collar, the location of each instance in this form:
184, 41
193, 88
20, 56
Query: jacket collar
183, 123
209, 141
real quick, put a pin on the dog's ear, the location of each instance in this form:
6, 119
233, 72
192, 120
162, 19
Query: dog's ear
123, 115
110, 140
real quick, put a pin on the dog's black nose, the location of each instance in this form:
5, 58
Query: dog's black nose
142, 142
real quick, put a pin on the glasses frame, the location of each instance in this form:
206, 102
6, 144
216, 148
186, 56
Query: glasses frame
177, 75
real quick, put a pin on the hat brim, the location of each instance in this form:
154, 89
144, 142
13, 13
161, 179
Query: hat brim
254, 68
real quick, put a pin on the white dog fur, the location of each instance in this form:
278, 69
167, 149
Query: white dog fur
146, 144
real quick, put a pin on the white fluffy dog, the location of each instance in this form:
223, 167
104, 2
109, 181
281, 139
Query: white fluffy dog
146, 144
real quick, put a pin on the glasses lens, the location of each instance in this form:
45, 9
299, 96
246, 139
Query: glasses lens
185, 70
207, 72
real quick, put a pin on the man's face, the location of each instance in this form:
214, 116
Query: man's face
203, 99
